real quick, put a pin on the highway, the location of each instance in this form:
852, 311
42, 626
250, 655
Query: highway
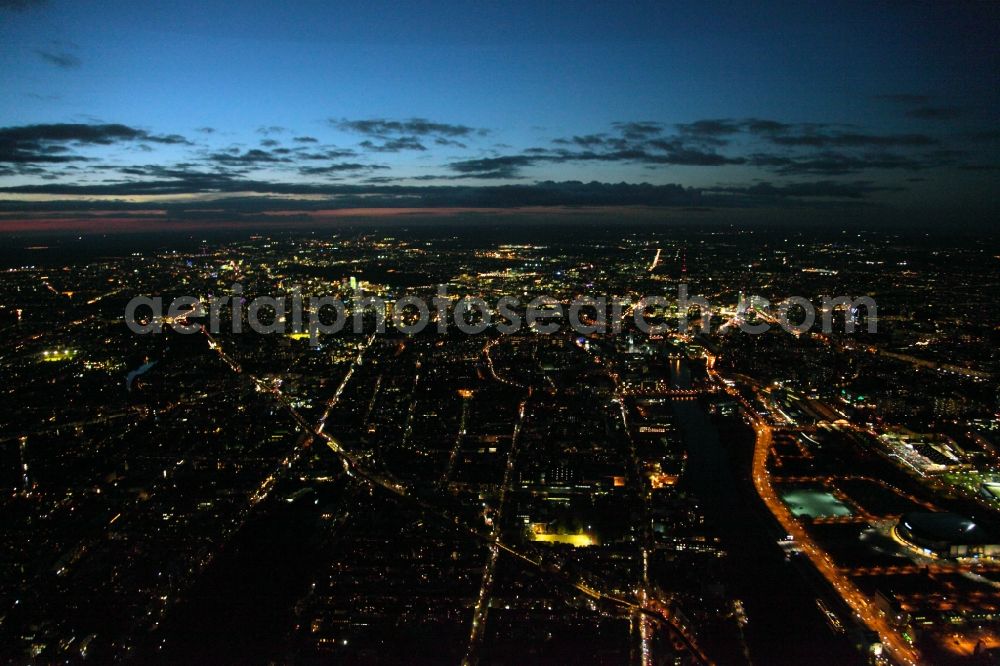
656, 261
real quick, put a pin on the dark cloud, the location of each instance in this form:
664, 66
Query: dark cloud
51, 143
934, 112
647, 146
575, 193
184, 170
638, 130
338, 168
493, 167
48, 154
835, 164
851, 139
235, 156
159, 180
26, 170
641, 142
676, 155
206, 130
248, 157
807, 135
382, 128
718, 132
64, 60
586, 141
83, 133
676, 151
811, 152
710, 128
920, 107
378, 192
393, 145
441, 141
571, 193
760, 126
325, 153
769, 161
825, 188
393, 136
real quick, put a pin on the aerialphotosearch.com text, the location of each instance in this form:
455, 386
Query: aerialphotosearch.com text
586, 315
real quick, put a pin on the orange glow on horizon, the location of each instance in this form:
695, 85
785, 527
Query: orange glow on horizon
159, 220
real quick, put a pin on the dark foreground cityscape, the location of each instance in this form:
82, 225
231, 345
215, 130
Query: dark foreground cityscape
526, 498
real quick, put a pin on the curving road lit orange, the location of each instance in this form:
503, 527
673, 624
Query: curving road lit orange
892, 641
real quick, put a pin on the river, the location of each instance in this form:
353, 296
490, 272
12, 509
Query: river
779, 596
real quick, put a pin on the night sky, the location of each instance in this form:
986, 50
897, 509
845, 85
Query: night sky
889, 108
